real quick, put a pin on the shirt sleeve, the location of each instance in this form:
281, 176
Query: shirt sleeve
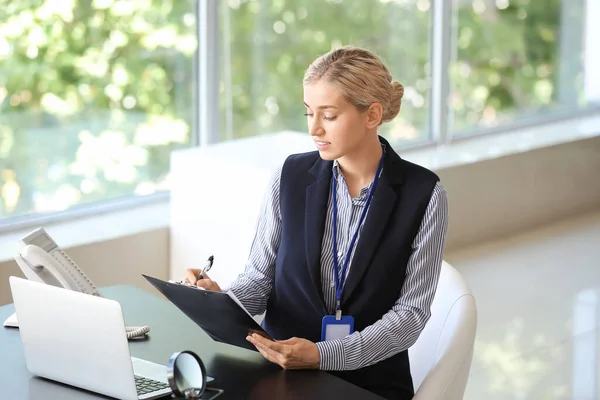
253, 286
400, 327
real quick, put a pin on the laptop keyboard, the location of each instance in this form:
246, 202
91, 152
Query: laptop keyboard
145, 385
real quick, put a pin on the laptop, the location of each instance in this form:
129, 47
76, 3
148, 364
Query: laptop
80, 340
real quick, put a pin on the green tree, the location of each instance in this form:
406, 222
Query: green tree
94, 95
506, 63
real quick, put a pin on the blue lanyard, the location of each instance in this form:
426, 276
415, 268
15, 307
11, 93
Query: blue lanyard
339, 280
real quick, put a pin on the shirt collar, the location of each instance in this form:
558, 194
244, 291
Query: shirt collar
336, 168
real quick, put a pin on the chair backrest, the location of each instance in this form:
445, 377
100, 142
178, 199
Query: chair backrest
440, 360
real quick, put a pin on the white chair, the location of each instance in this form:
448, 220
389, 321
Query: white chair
440, 360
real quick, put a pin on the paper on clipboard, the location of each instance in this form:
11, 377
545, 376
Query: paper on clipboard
229, 293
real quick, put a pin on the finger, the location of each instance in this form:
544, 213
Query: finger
205, 276
258, 341
191, 274
208, 285
283, 351
205, 284
269, 353
275, 346
256, 344
290, 341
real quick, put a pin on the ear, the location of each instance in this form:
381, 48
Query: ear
374, 115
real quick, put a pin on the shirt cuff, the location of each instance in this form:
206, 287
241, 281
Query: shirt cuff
332, 355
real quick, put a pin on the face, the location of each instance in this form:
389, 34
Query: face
336, 125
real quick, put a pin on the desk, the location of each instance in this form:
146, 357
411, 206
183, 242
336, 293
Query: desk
243, 374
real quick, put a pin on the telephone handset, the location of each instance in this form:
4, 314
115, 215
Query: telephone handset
41, 260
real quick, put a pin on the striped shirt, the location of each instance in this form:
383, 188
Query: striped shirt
399, 328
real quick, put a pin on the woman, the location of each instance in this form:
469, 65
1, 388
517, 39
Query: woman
345, 290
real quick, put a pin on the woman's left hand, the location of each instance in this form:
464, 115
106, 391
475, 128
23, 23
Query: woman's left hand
293, 353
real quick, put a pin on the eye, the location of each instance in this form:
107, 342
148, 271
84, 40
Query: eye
308, 115
326, 118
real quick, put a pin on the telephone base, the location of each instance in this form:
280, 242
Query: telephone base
11, 322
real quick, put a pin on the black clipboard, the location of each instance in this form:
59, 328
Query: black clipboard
215, 312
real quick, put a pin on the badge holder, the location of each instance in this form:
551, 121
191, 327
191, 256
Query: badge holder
336, 326
186, 375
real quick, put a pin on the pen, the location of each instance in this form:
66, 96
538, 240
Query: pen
206, 268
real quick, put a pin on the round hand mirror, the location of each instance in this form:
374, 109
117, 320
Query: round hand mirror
186, 375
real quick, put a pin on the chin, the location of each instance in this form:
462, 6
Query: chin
327, 155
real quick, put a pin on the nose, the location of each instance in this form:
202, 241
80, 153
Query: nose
315, 128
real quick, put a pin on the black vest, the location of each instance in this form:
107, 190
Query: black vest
377, 270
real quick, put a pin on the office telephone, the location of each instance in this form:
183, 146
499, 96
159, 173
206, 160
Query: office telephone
41, 260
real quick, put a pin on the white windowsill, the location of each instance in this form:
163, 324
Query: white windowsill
486, 147
119, 223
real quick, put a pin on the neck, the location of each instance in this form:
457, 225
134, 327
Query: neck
361, 165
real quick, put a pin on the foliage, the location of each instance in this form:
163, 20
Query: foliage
96, 94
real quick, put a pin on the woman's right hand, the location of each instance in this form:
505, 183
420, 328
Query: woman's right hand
205, 283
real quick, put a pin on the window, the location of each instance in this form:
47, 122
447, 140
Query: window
517, 59
267, 45
94, 95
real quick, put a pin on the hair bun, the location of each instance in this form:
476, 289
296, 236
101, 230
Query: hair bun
395, 102
397, 90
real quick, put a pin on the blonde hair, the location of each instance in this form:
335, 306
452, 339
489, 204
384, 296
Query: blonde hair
361, 76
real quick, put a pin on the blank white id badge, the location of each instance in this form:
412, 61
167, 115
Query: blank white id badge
333, 328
